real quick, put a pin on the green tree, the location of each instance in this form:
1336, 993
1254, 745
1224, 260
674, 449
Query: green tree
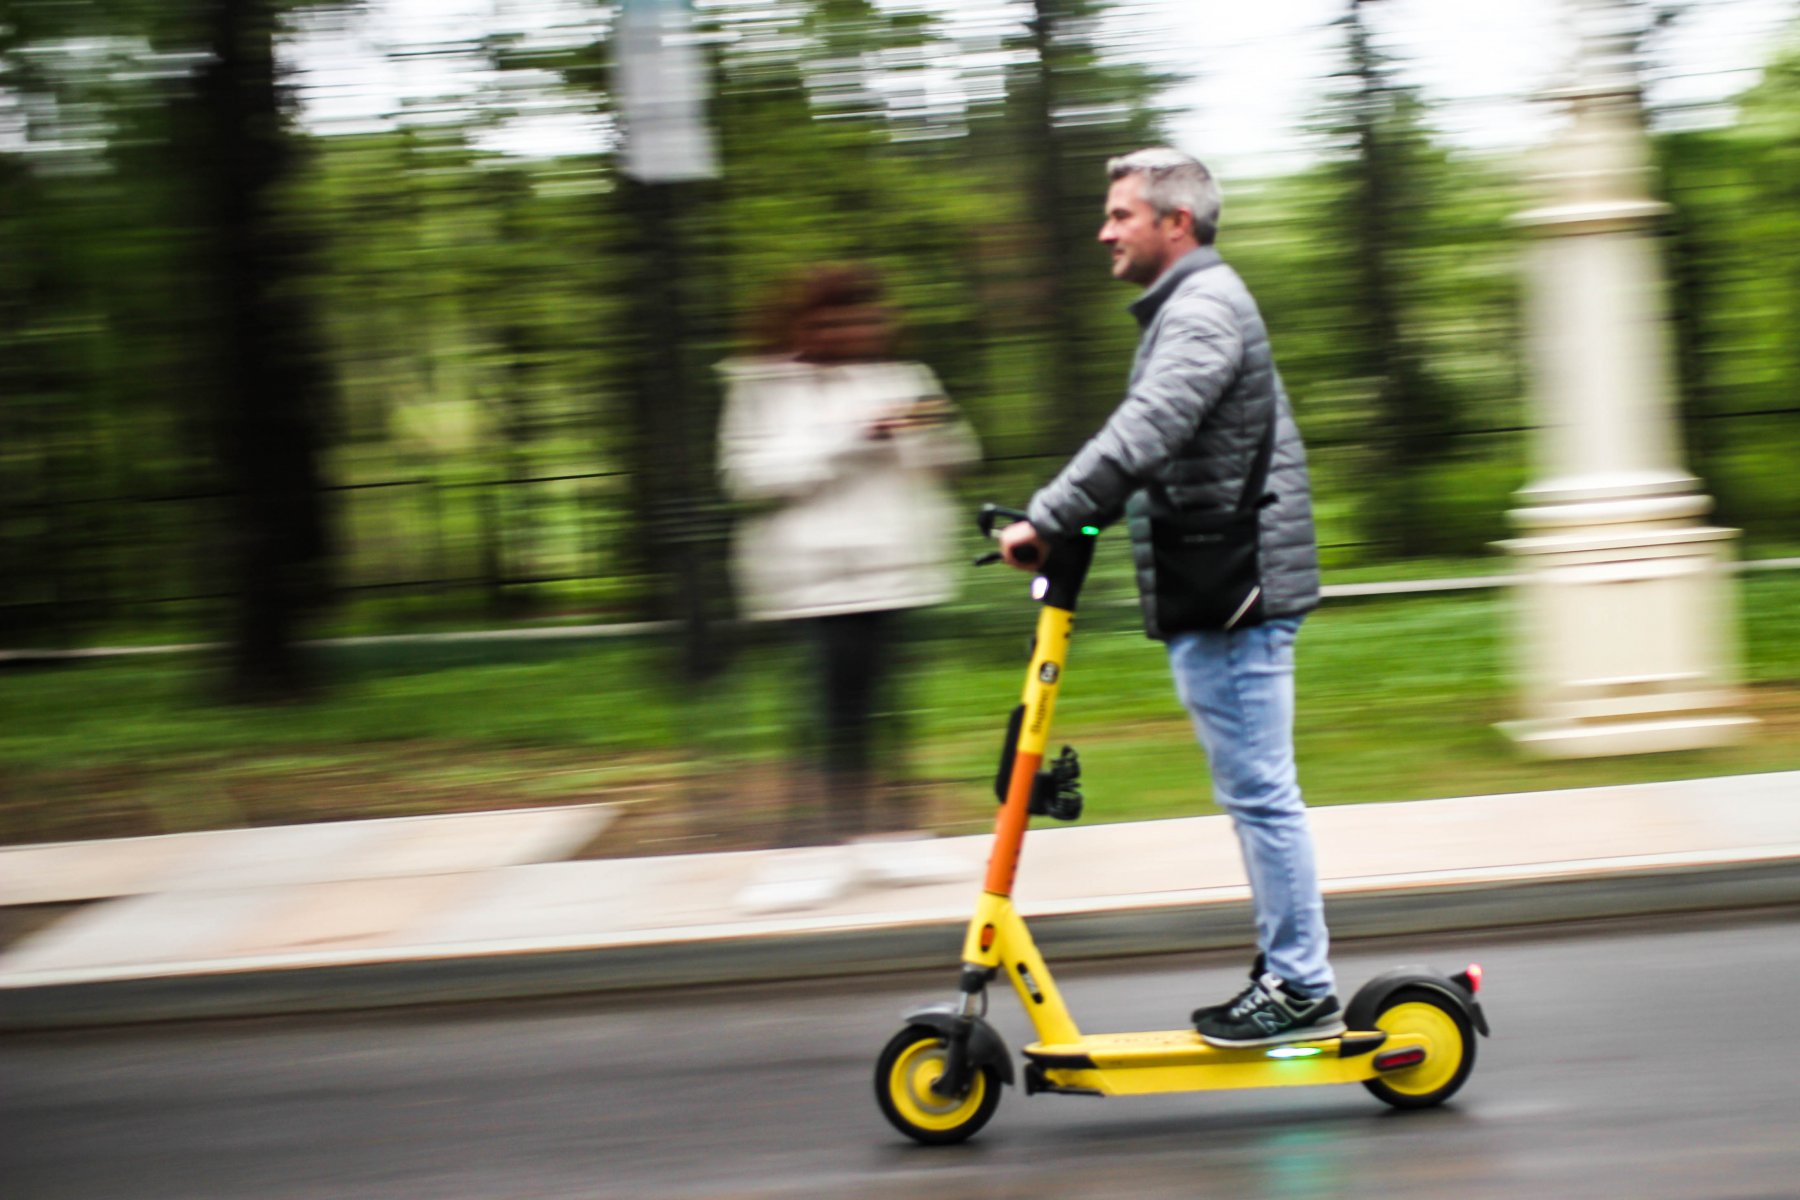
167, 135
1734, 257
1075, 101
259, 371
1388, 179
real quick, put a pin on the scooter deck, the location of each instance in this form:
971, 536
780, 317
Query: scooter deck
1180, 1060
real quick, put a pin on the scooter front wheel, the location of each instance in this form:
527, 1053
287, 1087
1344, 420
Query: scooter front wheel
911, 1062
1449, 1048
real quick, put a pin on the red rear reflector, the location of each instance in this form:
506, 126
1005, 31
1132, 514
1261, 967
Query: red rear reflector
1393, 1060
1473, 975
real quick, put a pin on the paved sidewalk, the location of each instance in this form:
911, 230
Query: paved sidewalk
478, 906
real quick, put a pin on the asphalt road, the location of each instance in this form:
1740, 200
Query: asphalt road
1641, 1060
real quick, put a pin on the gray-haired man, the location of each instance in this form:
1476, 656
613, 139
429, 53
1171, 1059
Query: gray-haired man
1200, 402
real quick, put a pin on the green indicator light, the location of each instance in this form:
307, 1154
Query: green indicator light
1091, 530
1295, 1052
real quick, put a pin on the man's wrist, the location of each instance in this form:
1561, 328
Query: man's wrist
1042, 521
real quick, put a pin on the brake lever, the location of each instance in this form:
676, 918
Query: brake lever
991, 514
987, 518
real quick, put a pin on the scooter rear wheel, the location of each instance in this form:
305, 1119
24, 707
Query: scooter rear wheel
912, 1061
1449, 1048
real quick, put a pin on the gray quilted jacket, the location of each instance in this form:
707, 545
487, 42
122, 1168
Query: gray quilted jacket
1185, 437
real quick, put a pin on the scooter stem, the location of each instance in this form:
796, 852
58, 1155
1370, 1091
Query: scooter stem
1058, 587
1049, 655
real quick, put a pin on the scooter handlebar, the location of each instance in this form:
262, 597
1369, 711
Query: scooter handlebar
1065, 570
991, 516
1025, 554
991, 519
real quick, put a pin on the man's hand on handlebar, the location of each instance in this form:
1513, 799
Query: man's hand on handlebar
1022, 547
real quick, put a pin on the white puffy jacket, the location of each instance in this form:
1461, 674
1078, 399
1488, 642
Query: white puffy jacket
837, 520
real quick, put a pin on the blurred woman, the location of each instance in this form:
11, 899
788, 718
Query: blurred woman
839, 453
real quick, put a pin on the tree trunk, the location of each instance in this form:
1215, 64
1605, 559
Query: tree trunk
267, 383
1406, 418
669, 429
1058, 322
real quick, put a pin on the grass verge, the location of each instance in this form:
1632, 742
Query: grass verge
1398, 700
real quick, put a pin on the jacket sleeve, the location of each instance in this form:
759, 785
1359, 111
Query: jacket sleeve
940, 448
1198, 348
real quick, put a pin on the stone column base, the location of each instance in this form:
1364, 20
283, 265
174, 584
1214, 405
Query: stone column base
1576, 739
1625, 639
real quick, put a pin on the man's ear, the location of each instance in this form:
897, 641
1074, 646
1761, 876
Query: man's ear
1184, 219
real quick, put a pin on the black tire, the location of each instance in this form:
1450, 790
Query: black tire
910, 1062
1449, 1052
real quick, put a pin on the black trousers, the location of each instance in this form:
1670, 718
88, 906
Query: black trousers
856, 661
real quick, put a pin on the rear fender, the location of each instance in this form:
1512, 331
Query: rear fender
1369, 998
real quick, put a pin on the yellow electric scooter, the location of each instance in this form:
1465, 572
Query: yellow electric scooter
1411, 1037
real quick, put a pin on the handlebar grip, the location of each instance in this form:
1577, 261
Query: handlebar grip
1027, 554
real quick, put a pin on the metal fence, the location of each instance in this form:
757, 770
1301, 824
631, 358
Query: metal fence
547, 544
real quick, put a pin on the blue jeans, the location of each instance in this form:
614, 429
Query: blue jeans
1238, 688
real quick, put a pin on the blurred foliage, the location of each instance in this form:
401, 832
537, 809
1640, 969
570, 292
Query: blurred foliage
161, 339
485, 439
1734, 251
1406, 225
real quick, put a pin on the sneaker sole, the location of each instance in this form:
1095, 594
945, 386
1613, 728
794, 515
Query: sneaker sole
1308, 1033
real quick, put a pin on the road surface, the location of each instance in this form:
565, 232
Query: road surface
1635, 1059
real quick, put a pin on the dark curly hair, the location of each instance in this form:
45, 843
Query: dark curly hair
829, 285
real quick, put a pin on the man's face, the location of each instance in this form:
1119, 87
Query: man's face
1142, 245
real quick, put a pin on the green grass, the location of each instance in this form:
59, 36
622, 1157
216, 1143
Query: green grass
1398, 700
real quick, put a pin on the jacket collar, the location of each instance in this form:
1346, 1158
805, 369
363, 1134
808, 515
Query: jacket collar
1145, 307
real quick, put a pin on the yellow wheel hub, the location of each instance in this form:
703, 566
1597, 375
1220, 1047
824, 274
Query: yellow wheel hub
1443, 1047
909, 1084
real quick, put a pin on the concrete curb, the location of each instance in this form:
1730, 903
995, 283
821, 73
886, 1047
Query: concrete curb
1165, 928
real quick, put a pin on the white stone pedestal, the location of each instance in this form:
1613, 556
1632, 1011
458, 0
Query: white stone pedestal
1624, 602
1622, 634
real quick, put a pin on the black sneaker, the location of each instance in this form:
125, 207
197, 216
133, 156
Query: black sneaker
1256, 972
1269, 1012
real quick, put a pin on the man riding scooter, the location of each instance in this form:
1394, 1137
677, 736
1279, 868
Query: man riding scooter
1204, 459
